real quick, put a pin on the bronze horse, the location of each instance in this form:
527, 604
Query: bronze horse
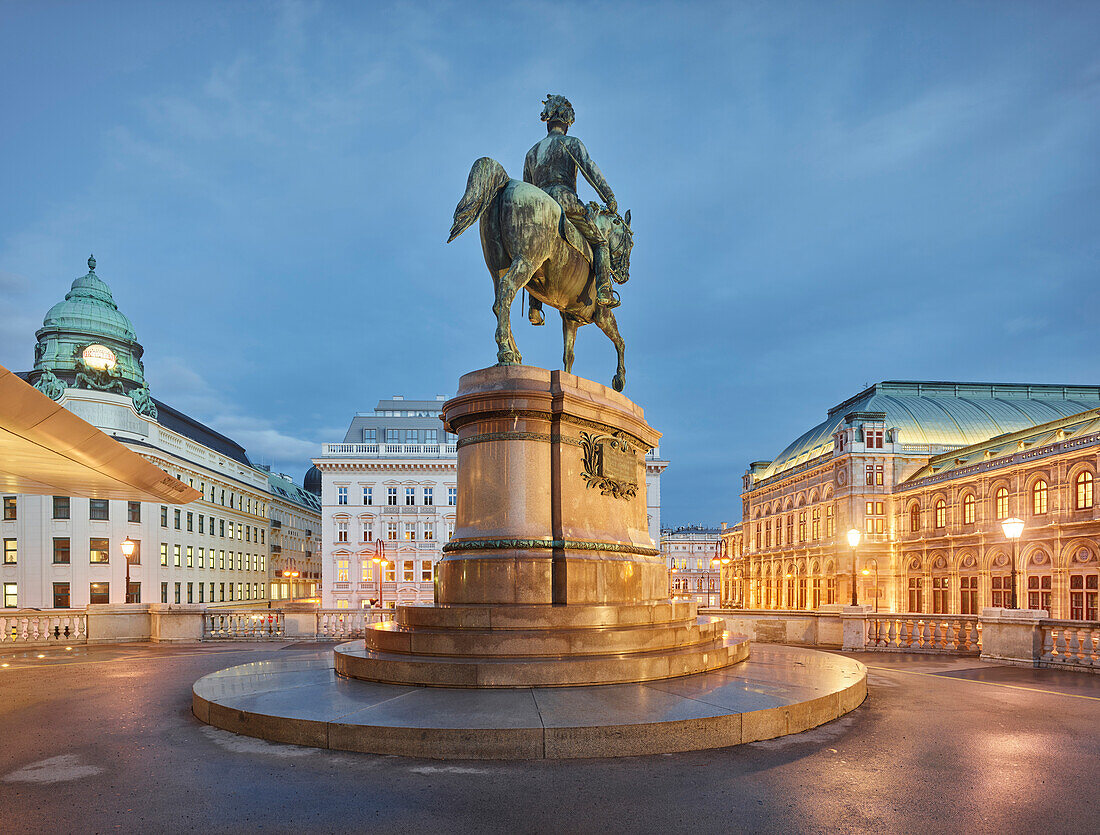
524, 248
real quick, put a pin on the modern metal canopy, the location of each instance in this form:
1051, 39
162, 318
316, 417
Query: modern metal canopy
46, 449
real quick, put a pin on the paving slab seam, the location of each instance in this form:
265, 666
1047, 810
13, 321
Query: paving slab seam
941, 676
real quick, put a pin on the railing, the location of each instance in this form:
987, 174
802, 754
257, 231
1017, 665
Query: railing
420, 450
44, 628
1071, 643
249, 626
347, 623
953, 634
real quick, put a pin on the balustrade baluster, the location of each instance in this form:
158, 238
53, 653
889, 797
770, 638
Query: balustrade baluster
1074, 646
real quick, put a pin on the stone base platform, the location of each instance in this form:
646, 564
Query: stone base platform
778, 691
541, 645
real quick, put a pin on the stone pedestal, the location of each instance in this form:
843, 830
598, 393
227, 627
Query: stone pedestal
551, 577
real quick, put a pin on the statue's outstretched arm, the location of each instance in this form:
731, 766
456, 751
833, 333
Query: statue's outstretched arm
593, 174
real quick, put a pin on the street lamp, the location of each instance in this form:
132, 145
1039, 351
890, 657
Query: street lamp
853, 543
867, 571
1013, 528
380, 560
128, 551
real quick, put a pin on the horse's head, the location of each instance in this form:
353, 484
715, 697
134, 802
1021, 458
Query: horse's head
620, 239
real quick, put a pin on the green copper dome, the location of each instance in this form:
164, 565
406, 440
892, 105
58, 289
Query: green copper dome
86, 342
89, 308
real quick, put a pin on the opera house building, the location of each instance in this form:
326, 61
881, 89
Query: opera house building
928, 473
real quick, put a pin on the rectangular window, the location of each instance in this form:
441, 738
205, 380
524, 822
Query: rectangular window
1038, 592
9, 509
190, 592
99, 510
426, 571
916, 595
202, 526
178, 592
428, 496
366, 572
429, 533
177, 518
368, 495
202, 558
341, 531
176, 557
391, 573
202, 596
164, 520
99, 550
11, 551
410, 495
939, 595
99, 593
370, 436
240, 536
190, 521
190, 558
164, 555
342, 571
452, 496
968, 595
412, 436
11, 596
393, 436
410, 531
221, 528
341, 495
61, 507
1001, 591
135, 557
133, 512
61, 550
407, 571
221, 592
221, 564
61, 595
133, 593
163, 592
391, 531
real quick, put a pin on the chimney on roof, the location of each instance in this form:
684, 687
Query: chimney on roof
441, 397
399, 397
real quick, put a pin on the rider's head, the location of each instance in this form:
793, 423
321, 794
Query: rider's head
558, 112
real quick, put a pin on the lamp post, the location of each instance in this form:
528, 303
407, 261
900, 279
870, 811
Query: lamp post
1013, 528
867, 571
127, 551
380, 560
853, 543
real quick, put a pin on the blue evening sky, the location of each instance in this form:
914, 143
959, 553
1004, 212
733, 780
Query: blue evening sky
824, 195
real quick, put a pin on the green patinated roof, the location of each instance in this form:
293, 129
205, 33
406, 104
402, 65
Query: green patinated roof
948, 414
1079, 428
90, 308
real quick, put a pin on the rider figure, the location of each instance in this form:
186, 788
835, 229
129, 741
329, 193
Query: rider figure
552, 166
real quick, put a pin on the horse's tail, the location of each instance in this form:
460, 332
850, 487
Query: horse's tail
487, 178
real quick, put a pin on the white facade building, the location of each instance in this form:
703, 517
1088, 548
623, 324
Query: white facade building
389, 491
688, 552
66, 552
295, 539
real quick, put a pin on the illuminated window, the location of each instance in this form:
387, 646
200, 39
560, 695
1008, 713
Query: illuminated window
176, 557
408, 571
969, 512
429, 533
366, 571
61, 595
1039, 493
99, 550
1084, 491
100, 593
9, 509
391, 531
802, 526
391, 573
61, 551
11, 551
426, 571
914, 518
941, 522
1001, 502
815, 527
830, 522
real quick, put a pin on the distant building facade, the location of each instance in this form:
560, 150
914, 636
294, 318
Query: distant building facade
689, 553
926, 472
389, 491
295, 540
63, 552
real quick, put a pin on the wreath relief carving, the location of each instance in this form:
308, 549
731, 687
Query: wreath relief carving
610, 464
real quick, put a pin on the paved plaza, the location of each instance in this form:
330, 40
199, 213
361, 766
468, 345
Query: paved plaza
102, 739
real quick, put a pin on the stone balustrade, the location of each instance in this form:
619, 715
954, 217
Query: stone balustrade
347, 623
56, 626
951, 634
1071, 643
243, 625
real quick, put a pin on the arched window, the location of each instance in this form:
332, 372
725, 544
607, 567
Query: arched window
1084, 491
914, 518
1001, 502
941, 514
969, 509
1039, 492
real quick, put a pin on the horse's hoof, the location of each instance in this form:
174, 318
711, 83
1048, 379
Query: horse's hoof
619, 382
509, 359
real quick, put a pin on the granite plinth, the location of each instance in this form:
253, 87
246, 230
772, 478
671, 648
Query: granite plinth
778, 691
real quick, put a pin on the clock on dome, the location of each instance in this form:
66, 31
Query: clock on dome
99, 357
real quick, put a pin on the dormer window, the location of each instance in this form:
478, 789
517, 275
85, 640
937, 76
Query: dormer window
874, 438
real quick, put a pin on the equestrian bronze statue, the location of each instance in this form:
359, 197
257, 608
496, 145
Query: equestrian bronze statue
538, 235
